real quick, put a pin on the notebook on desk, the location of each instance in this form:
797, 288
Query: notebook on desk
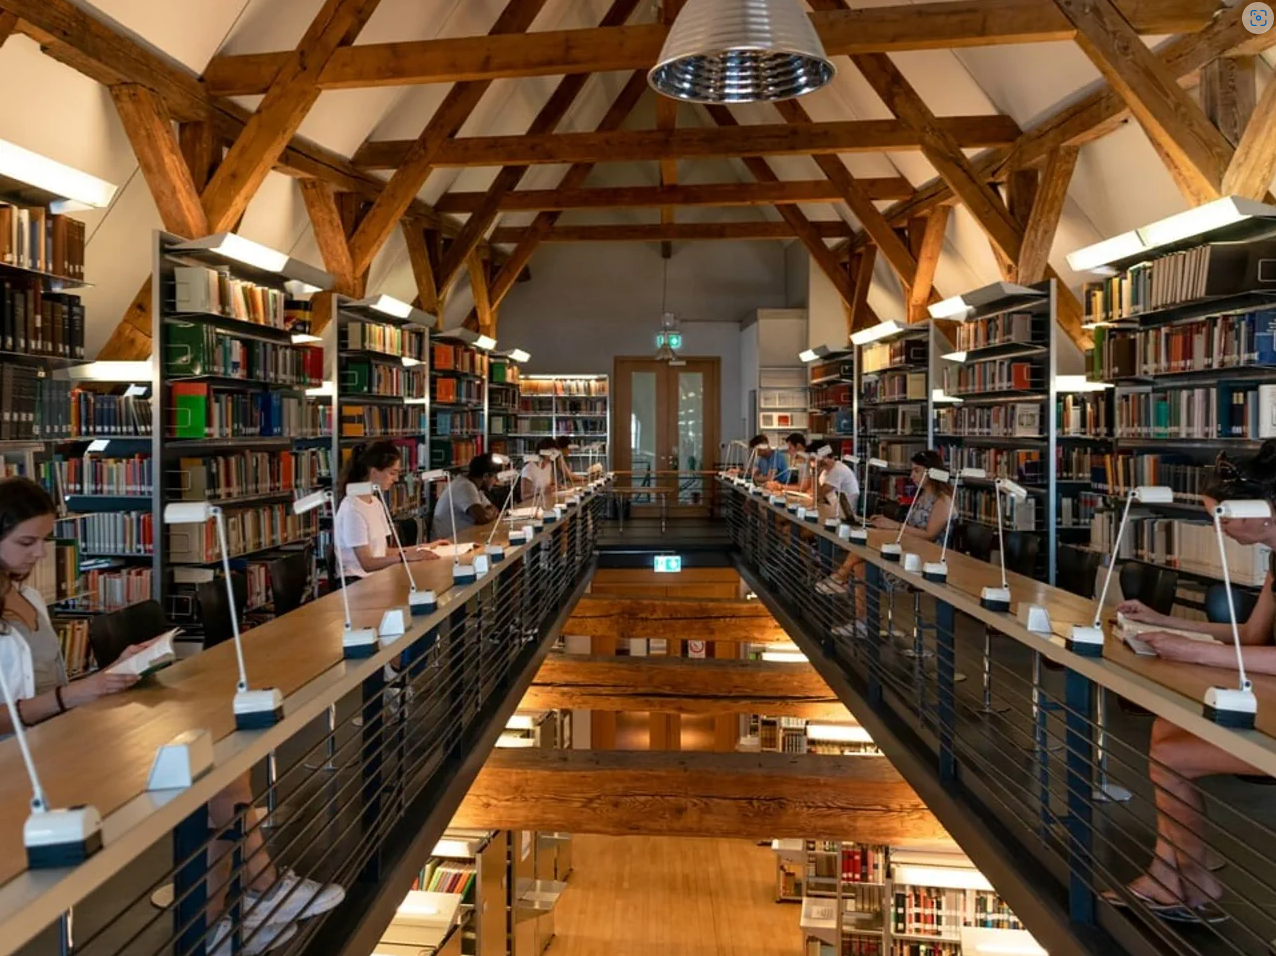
1129, 632
153, 658
450, 550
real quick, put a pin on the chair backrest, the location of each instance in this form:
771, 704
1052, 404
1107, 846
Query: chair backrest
330, 565
1077, 569
1154, 586
977, 540
409, 531
214, 612
110, 634
1022, 549
890, 508
1216, 603
289, 577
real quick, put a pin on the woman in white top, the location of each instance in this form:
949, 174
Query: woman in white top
537, 478
362, 529
31, 665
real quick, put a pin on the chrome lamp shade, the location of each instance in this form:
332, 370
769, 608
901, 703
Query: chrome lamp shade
741, 51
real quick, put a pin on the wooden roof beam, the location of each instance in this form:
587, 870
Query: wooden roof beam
925, 26
674, 232
850, 136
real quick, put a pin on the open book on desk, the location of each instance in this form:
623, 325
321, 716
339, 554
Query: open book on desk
524, 514
156, 656
1129, 632
450, 550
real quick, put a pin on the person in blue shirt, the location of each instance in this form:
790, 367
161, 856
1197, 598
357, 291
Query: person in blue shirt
768, 463
796, 474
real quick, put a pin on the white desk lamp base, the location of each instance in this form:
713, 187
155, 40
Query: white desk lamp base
464, 574
995, 599
61, 838
892, 551
423, 602
1231, 707
255, 709
394, 624
495, 552
359, 642
181, 761
936, 572
1085, 641
858, 535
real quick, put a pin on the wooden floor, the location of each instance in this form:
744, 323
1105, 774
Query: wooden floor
661, 896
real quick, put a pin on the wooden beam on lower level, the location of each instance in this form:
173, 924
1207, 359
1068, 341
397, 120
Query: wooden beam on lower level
741, 796
677, 685
672, 618
671, 232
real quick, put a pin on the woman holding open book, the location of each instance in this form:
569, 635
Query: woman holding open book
1178, 884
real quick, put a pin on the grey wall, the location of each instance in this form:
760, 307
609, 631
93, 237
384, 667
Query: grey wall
588, 303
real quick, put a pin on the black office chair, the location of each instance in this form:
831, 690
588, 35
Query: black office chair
289, 580
1216, 604
409, 531
110, 634
1154, 586
330, 565
1077, 570
215, 612
977, 540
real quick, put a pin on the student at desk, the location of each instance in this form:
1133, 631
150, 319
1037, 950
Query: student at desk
1178, 884
769, 463
797, 477
31, 665
465, 500
927, 518
537, 476
564, 465
361, 529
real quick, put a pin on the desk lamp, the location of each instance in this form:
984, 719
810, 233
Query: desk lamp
496, 552
253, 708
1234, 706
355, 641
860, 535
738, 477
1088, 641
998, 599
892, 551
53, 838
937, 571
419, 602
552, 455
461, 573
754, 453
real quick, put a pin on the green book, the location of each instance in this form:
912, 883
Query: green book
185, 349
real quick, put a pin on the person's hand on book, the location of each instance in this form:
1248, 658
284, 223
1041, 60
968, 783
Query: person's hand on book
884, 523
1138, 611
103, 683
133, 649
1172, 647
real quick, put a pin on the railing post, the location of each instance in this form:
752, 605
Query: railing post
190, 882
1079, 697
946, 680
370, 766
872, 605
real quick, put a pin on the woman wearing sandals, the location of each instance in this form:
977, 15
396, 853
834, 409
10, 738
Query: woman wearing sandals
1178, 884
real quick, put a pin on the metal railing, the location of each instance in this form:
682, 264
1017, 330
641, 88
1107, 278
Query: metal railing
371, 756
1038, 761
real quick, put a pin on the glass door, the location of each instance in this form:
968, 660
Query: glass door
666, 423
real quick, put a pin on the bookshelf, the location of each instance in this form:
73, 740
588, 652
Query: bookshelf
578, 406
831, 391
238, 423
1001, 412
783, 403
458, 400
503, 378
1182, 319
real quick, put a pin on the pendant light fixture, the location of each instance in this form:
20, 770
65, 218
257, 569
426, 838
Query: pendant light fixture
668, 339
741, 51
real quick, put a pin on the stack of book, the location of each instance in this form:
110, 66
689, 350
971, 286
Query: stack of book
199, 349
446, 357
31, 237
980, 505
1083, 415
994, 375
201, 410
94, 415
248, 530
1187, 545
1010, 328
900, 354
1021, 465
215, 291
386, 339
1215, 342
103, 590
1020, 420
456, 391
119, 477
73, 641
1222, 410
116, 533
247, 473
382, 421
377, 378
36, 322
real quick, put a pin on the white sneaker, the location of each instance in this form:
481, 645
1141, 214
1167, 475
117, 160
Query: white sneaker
858, 631
831, 586
268, 937
309, 899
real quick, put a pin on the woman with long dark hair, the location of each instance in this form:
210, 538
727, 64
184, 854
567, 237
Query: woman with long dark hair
361, 529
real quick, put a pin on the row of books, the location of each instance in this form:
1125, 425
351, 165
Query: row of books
103, 590
456, 391
498, 424
455, 453
907, 947
1079, 511
893, 420
1175, 543
449, 423
1078, 462
197, 348
406, 495
502, 398
591, 387
383, 338
377, 378
134, 475
19, 396
73, 642
246, 473
502, 370
216, 291
994, 375
450, 876
248, 530
113, 533
1010, 328
896, 454
581, 406
1116, 474
884, 355
834, 396
383, 421
834, 368
535, 425
1020, 420
894, 387
31, 237
896, 488
458, 358
928, 911
1085, 414
64, 411
584, 427
37, 322
1215, 342
1021, 465
57, 574
980, 505
1224, 410
198, 411
1205, 271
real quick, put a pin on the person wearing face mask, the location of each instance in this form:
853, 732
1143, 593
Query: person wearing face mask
362, 529
1178, 884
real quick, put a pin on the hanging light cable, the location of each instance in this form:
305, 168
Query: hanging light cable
741, 51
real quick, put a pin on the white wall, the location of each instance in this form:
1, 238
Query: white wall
586, 304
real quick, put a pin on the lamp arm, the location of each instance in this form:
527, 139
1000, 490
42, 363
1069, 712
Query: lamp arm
948, 525
219, 519
1231, 606
1001, 540
341, 565
456, 543
1112, 559
497, 523
39, 802
864, 494
913, 504
385, 506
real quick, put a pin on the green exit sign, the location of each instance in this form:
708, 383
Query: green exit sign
672, 339
668, 563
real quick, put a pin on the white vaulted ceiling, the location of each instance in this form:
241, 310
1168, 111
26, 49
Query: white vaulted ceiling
1119, 181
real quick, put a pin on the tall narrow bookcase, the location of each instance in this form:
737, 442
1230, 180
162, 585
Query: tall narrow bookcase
831, 394
1001, 391
575, 406
1183, 322
893, 406
458, 401
503, 377
235, 423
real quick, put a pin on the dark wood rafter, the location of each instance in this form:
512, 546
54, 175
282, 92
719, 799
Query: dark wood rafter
690, 231
480, 284
861, 314
1043, 220
1229, 87
1252, 166
330, 233
930, 247
150, 132
423, 266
